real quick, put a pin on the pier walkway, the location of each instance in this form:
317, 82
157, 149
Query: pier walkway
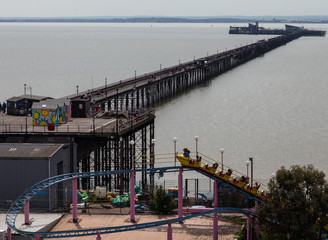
146, 90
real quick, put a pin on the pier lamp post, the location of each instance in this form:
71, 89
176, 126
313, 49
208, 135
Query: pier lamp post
117, 111
121, 166
106, 104
222, 151
132, 184
153, 141
93, 116
251, 160
152, 165
196, 139
106, 87
175, 150
26, 110
77, 89
247, 164
132, 153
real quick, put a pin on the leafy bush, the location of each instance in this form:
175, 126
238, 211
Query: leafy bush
160, 203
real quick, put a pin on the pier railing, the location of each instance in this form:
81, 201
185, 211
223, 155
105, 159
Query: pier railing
110, 127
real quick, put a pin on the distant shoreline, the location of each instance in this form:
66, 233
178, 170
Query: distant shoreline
160, 20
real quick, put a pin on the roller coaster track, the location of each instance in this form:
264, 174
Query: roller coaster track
30, 193
232, 187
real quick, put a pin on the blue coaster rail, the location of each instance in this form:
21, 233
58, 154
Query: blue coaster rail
30, 193
107, 230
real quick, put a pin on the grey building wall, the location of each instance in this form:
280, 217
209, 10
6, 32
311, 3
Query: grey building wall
18, 173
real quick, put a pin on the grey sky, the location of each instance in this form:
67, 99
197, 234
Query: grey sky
60, 8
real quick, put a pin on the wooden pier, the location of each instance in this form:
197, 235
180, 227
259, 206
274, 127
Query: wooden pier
146, 90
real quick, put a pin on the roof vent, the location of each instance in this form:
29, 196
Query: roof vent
36, 149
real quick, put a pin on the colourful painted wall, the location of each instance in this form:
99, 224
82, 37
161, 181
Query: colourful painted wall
43, 117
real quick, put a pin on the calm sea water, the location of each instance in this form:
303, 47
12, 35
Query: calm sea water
273, 108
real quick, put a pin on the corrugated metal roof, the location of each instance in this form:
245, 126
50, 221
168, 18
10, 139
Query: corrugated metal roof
50, 104
30, 97
28, 150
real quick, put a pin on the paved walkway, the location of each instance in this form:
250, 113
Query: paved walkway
199, 228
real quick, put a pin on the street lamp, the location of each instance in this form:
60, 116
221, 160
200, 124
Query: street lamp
196, 139
247, 164
175, 150
222, 151
77, 89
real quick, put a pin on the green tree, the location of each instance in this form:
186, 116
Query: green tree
297, 206
160, 203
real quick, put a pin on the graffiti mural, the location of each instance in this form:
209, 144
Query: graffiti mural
43, 115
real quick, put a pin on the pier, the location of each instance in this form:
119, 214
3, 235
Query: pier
144, 91
103, 143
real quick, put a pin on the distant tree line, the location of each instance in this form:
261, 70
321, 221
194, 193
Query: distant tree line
166, 20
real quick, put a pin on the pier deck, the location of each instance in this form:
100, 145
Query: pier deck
77, 126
